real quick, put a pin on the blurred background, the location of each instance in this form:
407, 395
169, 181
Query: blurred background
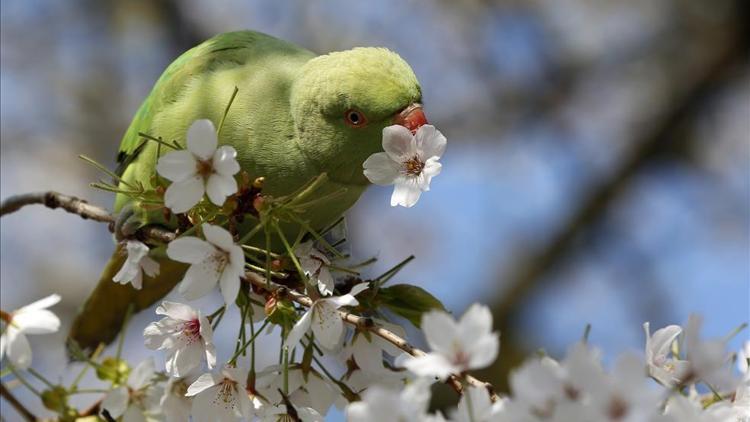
598, 167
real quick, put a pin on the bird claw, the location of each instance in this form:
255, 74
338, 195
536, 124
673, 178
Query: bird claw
128, 221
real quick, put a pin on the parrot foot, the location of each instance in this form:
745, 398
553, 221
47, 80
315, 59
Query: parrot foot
128, 221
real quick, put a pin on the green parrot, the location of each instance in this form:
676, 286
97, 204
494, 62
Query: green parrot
295, 115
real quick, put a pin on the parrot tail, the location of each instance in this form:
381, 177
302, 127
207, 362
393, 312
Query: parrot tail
102, 316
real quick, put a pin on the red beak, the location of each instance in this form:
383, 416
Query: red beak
412, 117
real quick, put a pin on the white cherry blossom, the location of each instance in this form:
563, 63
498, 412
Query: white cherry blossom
200, 169
174, 404
383, 404
138, 400
311, 390
185, 334
477, 407
409, 162
30, 319
214, 260
281, 414
622, 396
222, 397
742, 361
664, 368
456, 346
136, 263
707, 358
324, 320
315, 265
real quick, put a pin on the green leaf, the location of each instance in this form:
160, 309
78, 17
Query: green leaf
409, 301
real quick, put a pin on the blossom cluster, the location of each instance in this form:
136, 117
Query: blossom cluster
339, 345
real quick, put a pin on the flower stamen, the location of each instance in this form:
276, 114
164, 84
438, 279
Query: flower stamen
204, 168
413, 166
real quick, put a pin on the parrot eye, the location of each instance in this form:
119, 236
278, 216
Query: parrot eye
355, 118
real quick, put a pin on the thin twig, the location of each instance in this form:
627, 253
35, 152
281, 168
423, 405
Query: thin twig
54, 200
73, 205
20, 408
82, 208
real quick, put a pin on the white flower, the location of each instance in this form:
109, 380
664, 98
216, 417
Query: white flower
409, 162
324, 319
315, 265
308, 389
368, 354
537, 385
30, 319
707, 358
381, 404
622, 396
281, 414
137, 263
216, 259
668, 371
683, 409
456, 346
137, 401
364, 359
477, 407
174, 404
186, 335
742, 361
222, 397
200, 169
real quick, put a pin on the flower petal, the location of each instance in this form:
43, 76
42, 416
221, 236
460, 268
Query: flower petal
299, 330
189, 249
17, 348
230, 285
398, 142
380, 169
37, 322
218, 236
43, 303
201, 139
150, 266
116, 401
219, 186
128, 272
431, 169
483, 351
405, 193
430, 365
475, 323
142, 374
177, 165
440, 330
203, 382
430, 142
199, 280
225, 161
662, 340
326, 324
184, 194
178, 311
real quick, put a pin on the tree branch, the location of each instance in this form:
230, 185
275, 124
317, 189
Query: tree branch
87, 211
20, 408
81, 207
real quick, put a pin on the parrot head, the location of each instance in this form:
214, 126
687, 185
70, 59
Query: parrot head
341, 102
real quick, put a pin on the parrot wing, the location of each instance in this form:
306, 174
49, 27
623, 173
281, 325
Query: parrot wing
102, 315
